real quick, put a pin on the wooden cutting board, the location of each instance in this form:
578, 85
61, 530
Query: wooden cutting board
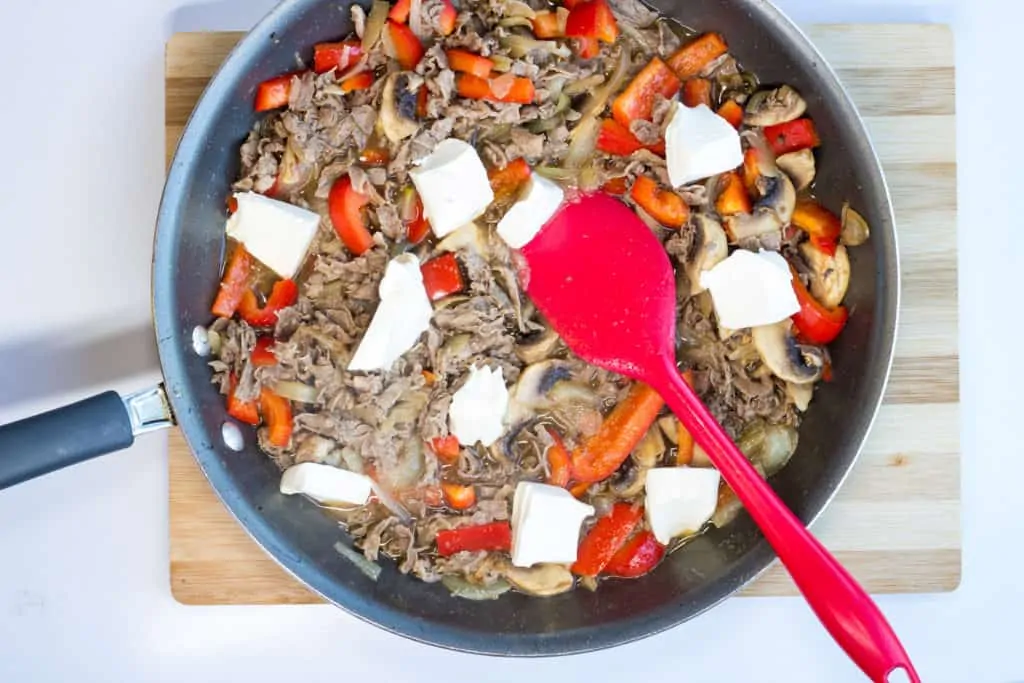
896, 522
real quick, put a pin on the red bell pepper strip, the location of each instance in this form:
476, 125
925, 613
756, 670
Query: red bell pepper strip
732, 112
496, 536
470, 63
476, 88
447, 18
605, 538
263, 353
421, 102
275, 92
234, 283
446, 448
459, 497
340, 56
400, 11
615, 186
684, 439
559, 462
637, 100
284, 294
416, 230
621, 431
637, 557
277, 412
506, 181
815, 323
408, 49
614, 138
442, 277
689, 60
345, 207
571, 4
697, 91
819, 223
664, 206
243, 411
545, 26
733, 197
792, 136
361, 81
587, 48
592, 19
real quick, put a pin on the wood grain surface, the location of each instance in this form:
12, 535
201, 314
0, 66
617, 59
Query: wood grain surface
896, 522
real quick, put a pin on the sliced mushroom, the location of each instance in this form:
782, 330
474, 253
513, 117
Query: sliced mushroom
630, 482
787, 360
398, 108
650, 449
800, 395
712, 249
772, 107
774, 210
800, 167
542, 580
700, 457
855, 229
545, 385
670, 428
830, 275
537, 345
470, 237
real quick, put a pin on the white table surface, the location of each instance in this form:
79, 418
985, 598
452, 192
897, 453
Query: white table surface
84, 590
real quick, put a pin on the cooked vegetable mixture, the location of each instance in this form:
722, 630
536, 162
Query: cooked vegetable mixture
371, 324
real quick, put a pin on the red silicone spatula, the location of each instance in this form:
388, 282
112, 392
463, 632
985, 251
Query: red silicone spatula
605, 283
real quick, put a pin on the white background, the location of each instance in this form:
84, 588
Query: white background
84, 589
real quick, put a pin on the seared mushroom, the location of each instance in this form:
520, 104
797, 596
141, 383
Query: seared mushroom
712, 249
800, 167
545, 385
650, 449
541, 580
830, 275
788, 360
670, 428
800, 395
470, 237
772, 107
537, 345
398, 108
774, 210
630, 481
855, 229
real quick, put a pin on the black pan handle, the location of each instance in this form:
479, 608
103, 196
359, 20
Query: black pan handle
74, 433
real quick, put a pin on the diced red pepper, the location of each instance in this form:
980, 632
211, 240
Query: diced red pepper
416, 230
446, 20
587, 48
732, 112
792, 136
689, 60
243, 411
400, 11
234, 283
545, 25
684, 439
421, 102
506, 181
232, 204
470, 63
637, 100
559, 462
446, 448
616, 186
277, 413
815, 323
429, 377
592, 19
614, 138
442, 277
571, 4
476, 88
664, 206
345, 207
274, 93
579, 490
605, 538
340, 56
408, 49
459, 497
697, 91
621, 431
361, 81
284, 294
375, 156
496, 536
732, 198
637, 557
263, 353
819, 223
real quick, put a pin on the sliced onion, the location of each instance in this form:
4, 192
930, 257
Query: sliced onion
371, 569
520, 46
599, 100
583, 85
388, 501
502, 63
512, 22
461, 588
855, 229
584, 140
407, 204
556, 174
296, 391
375, 24
517, 8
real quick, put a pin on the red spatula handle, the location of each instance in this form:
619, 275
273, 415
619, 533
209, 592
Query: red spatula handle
848, 613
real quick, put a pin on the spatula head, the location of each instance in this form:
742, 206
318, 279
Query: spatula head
605, 284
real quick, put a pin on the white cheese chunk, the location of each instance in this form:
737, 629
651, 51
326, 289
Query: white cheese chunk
545, 524
479, 408
680, 500
699, 144
540, 199
751, 289
402, 316
325, 484
277, 233
453, 186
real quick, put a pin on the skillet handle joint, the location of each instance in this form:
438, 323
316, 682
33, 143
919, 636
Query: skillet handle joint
148, 410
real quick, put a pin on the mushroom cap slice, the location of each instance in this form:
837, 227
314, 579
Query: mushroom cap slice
712, 249
786, 359
542, 580
830, 275
396, 116
800, 167
772, 107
